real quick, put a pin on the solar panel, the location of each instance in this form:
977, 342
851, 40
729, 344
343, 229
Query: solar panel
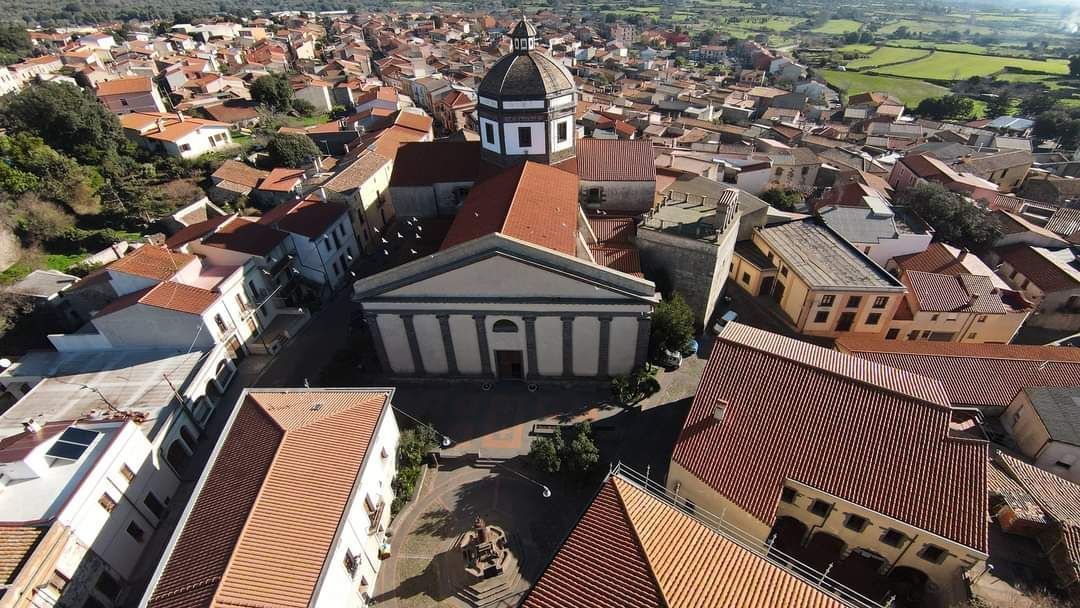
66, 451
78, 436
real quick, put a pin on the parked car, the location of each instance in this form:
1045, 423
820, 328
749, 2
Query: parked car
670, 360
724, 319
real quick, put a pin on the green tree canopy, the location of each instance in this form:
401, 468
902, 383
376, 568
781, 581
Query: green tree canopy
1074, 66
672, 325
272, 91
14, 43
66, 118
582, 455
954, 220
784, 200
293, 151
946, 107
1064, 126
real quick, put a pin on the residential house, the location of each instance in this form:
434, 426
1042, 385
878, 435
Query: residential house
257, 506
279, 185
362, 184
1051, 189
1044, 422
822, 284
914, 169
1007, 168
862, 215
454, 110
616, 175
906, 500
1050, 279
234, 179
175, 134
126, 95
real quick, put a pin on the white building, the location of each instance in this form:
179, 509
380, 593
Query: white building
261, 529
78, 504
176, 134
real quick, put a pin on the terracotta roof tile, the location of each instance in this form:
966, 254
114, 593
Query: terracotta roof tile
262, 524
1039, 269
240, 173
427, 163
627, 160
152, 262
17, 544
195, 231
125, 86
531, 202
245, 236
988, 375
179, 297
282, 180
308, 217
867, 433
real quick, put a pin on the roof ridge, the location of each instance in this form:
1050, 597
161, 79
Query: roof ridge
513, 199
617, 483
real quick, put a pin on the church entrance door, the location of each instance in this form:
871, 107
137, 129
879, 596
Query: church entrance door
510, 364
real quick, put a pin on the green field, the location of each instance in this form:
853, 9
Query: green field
887, 55
837, 26
909, 91
929, 27
857, 48
764, 24
957, 66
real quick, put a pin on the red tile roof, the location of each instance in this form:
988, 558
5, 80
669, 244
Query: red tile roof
622, 258
308, 217
195, 231
531, 202
613, 230
261, 525
609, 160
866, 433
633, 549
988, 375
239, 173
953, 293
937, 258
245, 236
125, 86
282, 180
427, 163
151, 262
1045, 274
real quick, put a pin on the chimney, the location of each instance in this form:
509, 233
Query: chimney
160, 124
32, 426
720, 410
180, 116
318, 164
963, 254
322, 194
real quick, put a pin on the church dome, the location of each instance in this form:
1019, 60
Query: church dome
533, 75
526, 72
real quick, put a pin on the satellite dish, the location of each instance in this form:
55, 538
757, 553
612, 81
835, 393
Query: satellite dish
5, 363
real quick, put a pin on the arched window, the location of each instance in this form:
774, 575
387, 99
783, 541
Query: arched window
504, 326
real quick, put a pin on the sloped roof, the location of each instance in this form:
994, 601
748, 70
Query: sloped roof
626, 160
260, 526
953, 293
168, 295
1059, 410
151, 262
17, 544
245, 236
308, 217
426, 163
195, 231
870, 434
632, 549
988, 375
530, 201
1040, 268
240, 173
125, 86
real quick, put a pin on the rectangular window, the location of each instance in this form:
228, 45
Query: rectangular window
107, 503
1062, 464
854, 522
58, 582
820, 508
827, 300
185, 147
913, 335
561, 132
881, 301
933, 554
873, 318
525, 137
981, 319
893, 538
821, 316
788, 495
108, 586
351, 564
136, 532
127, 473
154, 505
489, 133
854, 301
783, 271
892, 333
746, 278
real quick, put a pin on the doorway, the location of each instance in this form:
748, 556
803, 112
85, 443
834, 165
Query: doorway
847, 319
766, 286
509, 364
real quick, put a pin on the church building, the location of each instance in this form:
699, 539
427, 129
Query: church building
524, 285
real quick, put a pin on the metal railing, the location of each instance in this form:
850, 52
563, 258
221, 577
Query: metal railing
764, 549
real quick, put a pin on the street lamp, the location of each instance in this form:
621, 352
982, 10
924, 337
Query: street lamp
445, 442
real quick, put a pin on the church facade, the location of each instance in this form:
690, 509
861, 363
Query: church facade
524, 285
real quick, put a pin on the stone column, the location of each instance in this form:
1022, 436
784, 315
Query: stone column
567, 346
605, 347
448, 344
414, 345
641, 353
482, 342
530, 348
376, 337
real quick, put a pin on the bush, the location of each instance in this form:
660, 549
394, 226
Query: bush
636, 386
582, 456
303, 107
544, 453
413, 447
784, 200
293, 151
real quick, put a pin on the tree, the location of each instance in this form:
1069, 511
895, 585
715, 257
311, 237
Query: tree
582, 455
954, 220
785, 200
1037, 104
544, 453
672, 325
303, 107
67, 118
1074, 66
1060, 125
1002, 105
39, 221
291, 150
12, 307
58, 177
272, 91
946, 107
14, 43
